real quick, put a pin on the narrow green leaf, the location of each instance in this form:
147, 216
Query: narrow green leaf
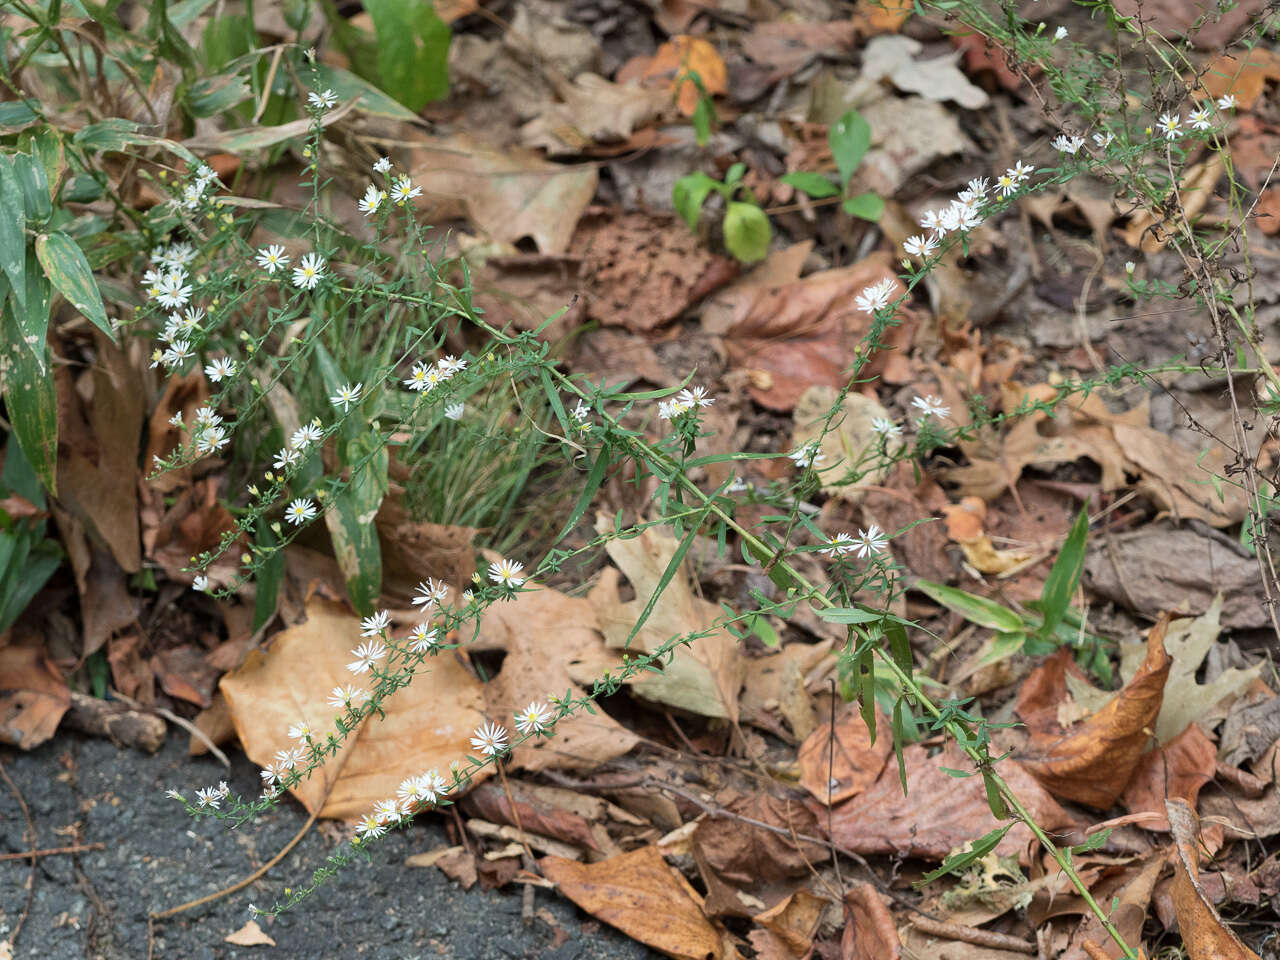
270, 575
688, 195
981, 847
850, 138
67, 269
865, 206
350, 517
30, 398
812, 184
899, 647
979, 610
747, 231
413, 50
994, 800
13, 241
867, 693
850, 615
899, 735
594, 479
1002, 646
1063, 579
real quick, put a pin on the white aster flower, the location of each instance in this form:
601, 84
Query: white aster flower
371, 200
200, 583
300, 730
885, 427
434, 786
402, 190
1021, 171
221, 367
388, 811
1059, 34
176, 420
287, 457
173, 291
374, 625
322, 100
300, 511
807, 456
876, 296
308, 273
174, 795
208, 797
423, 376
1170, 125
370, 827
454, 411
871, 540
449, 365
273, 258
839, 545
1104, 140
581, 411
382, 165
490, 739
289, 758
431, 591
694, 396
346, 696
1065, 144
306, 435
1226, 101
346, 396
506, 572
1199, 119
931, 406
1129, 267
421, 638
920, 245
535, 718
211, 439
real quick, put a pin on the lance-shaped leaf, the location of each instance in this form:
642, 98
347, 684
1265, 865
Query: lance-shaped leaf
67, 269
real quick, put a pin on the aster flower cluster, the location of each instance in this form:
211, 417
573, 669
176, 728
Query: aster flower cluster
425, 377
195, 191
690, 398
867, 543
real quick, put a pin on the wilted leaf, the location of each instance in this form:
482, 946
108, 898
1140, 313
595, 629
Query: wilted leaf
939, 812
643, 897
869, 931
428, 723
1093, 761
1128, 912
592, 110
552, 643
33, 697
794, 920
250, 935
1204, 935
702, 678
835, 771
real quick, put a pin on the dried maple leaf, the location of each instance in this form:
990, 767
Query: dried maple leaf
1204, 936
1092, 763
643, 897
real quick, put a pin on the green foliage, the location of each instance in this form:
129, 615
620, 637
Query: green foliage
27, 557
849, 139
412, 50
747, 231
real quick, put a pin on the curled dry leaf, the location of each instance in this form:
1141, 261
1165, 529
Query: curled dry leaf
794, 920
833, 770
428, 723
1204, 936
1092, 762
965, 522
939, 812
552, 641
250, 935
643, 897
1176, 770
869, 931
33, 697
670, 66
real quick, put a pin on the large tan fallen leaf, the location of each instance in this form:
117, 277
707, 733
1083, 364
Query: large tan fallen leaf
592, 110
250, 935
850, 446
704, 677
1176, 770
869, 931
774, 687
428, 723
833, 770
785, 46
643, 897
33, 696
892, 58
939, 812
1204, 936
509, 193
1093, 761
1186, 700
1128, 913
908, 134
552, 642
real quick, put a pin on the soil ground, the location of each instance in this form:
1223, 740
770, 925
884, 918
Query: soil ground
95, 904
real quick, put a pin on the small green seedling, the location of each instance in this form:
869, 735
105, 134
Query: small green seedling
1047, 624
850, 138
746, 227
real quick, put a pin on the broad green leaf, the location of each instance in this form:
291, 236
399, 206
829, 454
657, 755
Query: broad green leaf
67, 269
747, 231
350, 517
994, 799
865, 206
850, 615
267, 582
981, 847
689, 194
1001, 646
413, 50
45, 145
35, 187
13, 241
115, 134
31, 401
1063, 579
849, 137
16, 115
979, 610
811, 184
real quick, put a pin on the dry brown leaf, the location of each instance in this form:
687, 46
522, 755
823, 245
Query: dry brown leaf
33, 697
835, 771
775, 684
881, 16
704, 677
849, 445
509, 193
250, 935
747, 869
939, 812
177, 528
1268, 211
1092, 762
1204, 936
1244, 76
1195, 189
427, 725
592, 110
869, 930
965, 522
668, 69
1128, 913
794, 920
1176, 770
643, 897
785, 46
552, 643
184, 395
1174, 18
